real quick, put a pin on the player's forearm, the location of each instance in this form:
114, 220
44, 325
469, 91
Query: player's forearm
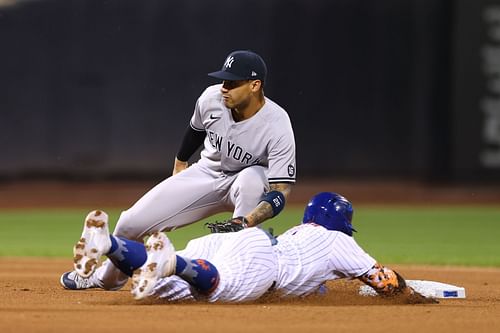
264, 210
179, 166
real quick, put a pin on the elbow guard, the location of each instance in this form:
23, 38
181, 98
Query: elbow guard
192, 140
277, 201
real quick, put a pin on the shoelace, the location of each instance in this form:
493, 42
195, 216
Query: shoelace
82, 282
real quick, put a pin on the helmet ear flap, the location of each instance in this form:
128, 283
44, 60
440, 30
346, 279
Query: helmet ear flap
344, 207
330, 210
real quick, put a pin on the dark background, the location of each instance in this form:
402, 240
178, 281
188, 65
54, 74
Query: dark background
404, 89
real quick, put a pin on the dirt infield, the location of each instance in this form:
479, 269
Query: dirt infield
33, 301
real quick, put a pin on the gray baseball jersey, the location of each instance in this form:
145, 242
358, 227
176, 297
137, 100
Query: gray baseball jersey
264, 139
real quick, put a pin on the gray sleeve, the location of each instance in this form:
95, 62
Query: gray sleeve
282, 157
196, 122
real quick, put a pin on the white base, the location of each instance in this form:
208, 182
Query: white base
426, 288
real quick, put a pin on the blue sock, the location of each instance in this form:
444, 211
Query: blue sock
199, 273
126, 254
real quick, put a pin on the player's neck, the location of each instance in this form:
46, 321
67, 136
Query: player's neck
247, 111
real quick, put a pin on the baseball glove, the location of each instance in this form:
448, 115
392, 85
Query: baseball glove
232, 225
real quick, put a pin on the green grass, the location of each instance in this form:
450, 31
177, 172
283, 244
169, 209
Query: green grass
412, 235
438, 235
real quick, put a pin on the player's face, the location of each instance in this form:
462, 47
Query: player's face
237, 94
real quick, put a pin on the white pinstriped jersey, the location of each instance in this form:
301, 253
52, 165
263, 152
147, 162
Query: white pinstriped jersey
309, 255
265, 139
306, 256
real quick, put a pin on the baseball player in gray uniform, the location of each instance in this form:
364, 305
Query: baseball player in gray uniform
247, 166
301, 261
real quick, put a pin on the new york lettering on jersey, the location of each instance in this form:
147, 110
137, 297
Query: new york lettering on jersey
232, 149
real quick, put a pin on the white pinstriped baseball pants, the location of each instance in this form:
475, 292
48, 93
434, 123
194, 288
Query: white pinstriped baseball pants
245, 260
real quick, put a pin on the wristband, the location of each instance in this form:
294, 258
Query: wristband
277, 201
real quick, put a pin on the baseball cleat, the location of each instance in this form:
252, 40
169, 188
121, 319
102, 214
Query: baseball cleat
160, 263
71, 280
93, 244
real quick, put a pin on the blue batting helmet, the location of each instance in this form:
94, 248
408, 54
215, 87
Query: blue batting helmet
331, 210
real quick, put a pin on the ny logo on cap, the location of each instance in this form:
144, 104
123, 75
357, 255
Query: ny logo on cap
229, 62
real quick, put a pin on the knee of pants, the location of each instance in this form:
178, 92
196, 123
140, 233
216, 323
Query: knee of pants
125, 227
250, 184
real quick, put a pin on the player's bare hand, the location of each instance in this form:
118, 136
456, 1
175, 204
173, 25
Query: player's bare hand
179, 166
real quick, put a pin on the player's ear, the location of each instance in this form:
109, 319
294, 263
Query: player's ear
256, 85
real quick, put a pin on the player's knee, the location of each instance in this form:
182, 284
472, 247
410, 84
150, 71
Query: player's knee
125, 227
251, 192
250, 184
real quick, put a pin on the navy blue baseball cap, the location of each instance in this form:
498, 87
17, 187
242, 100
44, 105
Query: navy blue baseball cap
242, 65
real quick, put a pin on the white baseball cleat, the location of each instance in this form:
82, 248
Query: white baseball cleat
93, 244
160, 263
